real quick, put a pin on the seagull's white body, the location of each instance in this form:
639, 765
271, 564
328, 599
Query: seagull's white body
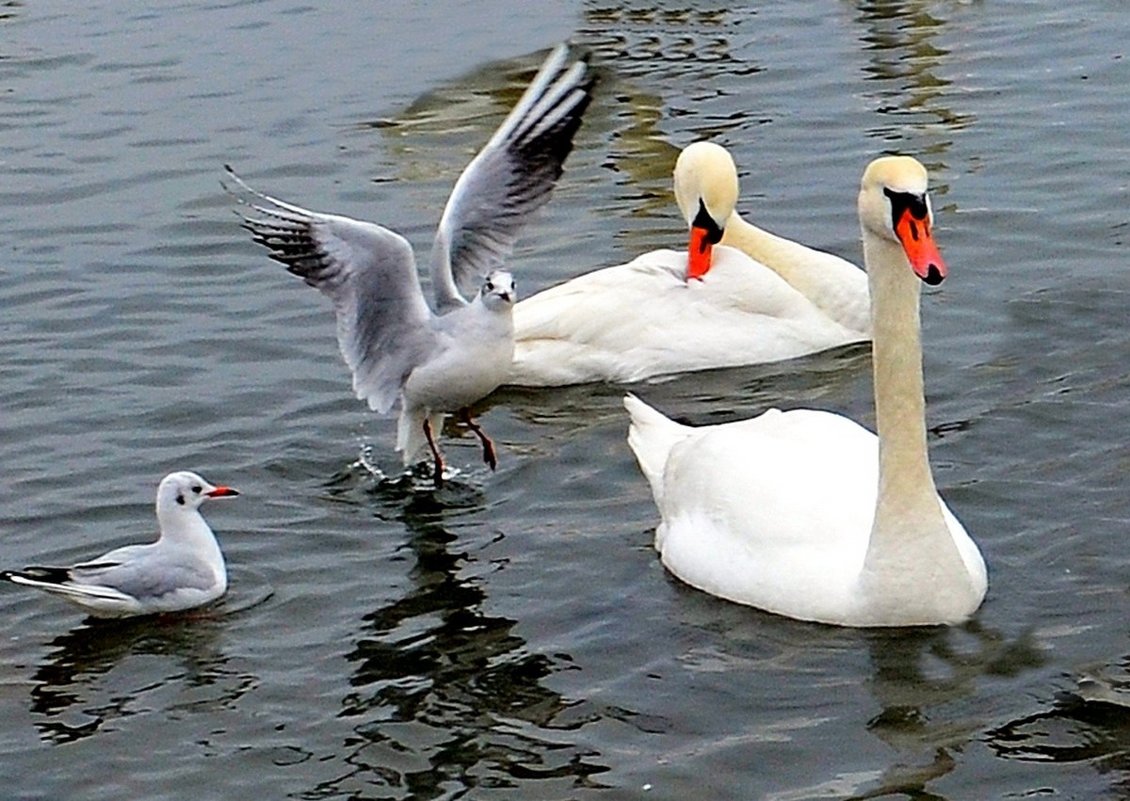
763, 299
475, 348
806, 513
183, 569
396, 347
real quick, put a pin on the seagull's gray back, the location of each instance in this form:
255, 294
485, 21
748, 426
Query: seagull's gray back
147, 572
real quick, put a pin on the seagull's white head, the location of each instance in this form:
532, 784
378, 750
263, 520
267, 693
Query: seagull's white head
498, 291
185, 491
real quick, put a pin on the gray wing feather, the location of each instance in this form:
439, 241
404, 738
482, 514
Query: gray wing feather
368, 271
510, 178
131, 573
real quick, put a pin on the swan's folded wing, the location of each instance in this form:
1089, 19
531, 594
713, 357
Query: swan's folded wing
383, 322
510, 178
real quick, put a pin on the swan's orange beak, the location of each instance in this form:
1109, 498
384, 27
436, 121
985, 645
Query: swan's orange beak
921, 251
698, 262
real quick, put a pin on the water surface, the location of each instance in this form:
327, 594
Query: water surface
514, 635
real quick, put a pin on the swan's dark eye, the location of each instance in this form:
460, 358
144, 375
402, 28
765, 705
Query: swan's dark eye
196, 488
180, 499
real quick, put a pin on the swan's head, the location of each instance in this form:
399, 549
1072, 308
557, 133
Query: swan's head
706, 189
894, 206
498, 291
185, 491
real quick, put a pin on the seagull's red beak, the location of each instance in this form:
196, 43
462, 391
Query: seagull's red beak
221, 492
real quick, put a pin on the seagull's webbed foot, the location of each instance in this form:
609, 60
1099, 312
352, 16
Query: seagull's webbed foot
489, 455
437, 476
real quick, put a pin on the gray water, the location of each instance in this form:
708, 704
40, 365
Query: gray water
514, 635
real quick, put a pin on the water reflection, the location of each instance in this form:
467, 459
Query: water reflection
446, 695
435, 136
103, 672
900, 39
669, 39
931, 707
645, 46
1089, 724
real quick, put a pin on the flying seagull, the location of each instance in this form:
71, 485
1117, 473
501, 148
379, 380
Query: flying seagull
397, 347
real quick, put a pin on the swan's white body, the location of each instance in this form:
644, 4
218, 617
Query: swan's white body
765, 299
806, 513
644, 319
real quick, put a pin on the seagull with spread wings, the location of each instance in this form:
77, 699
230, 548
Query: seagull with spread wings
397, 347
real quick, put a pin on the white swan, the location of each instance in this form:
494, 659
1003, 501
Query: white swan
650, 317
806, 513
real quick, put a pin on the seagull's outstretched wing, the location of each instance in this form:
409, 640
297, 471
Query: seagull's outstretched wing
510, 178
383, 322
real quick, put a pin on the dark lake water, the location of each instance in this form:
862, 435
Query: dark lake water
514, 635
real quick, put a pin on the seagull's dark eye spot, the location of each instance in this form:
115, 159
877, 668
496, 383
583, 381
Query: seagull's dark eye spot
196, 488
180, 499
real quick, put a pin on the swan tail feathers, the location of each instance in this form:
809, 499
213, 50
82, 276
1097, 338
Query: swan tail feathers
651, 435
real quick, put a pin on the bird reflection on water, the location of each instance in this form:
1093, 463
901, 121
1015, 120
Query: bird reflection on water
102, 672
443, 692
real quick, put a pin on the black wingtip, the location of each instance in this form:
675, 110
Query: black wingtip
50, 575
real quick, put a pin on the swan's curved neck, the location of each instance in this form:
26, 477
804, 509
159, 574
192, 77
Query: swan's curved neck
900, 402
909, 527
783, 256
825, 280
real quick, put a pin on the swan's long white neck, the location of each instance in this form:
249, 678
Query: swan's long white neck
826, 280
783, 256
909, 528
900, 403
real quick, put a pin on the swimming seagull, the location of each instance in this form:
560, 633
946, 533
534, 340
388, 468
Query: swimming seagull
397, 348
183, 569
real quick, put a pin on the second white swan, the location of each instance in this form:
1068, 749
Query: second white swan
753, 298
